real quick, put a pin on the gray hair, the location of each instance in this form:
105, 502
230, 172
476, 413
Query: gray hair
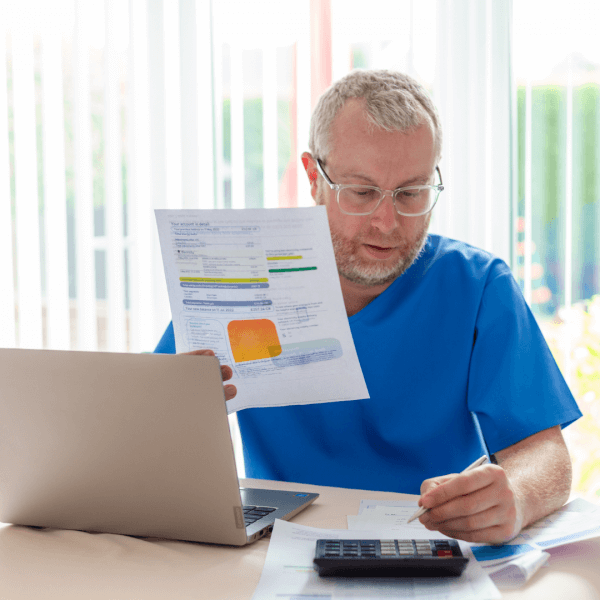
394, 102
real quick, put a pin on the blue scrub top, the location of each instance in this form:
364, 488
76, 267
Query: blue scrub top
451, 338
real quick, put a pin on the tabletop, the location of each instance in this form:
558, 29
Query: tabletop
53, 563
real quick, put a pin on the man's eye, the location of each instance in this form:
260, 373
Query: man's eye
362, 193
411, 193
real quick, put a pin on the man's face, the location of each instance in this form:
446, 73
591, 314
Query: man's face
373, 250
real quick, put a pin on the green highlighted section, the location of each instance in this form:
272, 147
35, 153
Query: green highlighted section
283, 257
289, 270
222, 280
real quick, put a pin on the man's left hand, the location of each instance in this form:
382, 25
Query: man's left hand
477, 506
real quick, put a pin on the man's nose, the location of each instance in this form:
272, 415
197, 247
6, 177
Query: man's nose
385, 216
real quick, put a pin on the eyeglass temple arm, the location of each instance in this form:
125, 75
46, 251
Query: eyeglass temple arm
439, 175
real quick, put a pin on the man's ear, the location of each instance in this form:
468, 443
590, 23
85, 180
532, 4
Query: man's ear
310, 166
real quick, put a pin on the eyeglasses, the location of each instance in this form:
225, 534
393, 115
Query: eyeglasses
412, 201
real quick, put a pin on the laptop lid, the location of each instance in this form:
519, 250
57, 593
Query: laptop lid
136, 444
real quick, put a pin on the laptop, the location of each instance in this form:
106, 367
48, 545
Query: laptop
136, 444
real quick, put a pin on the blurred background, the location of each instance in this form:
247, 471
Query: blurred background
111, 109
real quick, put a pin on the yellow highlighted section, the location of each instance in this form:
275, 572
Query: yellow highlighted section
283, 257
223, 280
253, 339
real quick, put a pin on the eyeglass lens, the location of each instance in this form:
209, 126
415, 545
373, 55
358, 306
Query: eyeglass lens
358, 199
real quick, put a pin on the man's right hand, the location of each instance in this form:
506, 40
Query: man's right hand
226, 373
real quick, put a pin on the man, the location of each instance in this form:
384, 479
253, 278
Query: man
446, 342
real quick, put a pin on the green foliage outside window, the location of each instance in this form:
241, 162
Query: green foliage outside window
578, 337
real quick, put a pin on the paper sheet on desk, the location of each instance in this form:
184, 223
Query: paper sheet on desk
288, 573
260, 287
576, 521
511, 564
391, 516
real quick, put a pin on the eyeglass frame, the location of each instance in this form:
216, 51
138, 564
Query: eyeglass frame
338, 187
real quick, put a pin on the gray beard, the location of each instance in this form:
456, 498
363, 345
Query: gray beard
351, 267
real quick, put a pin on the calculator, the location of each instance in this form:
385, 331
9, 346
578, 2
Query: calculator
389, 558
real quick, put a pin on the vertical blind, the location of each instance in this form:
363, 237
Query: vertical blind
160, 135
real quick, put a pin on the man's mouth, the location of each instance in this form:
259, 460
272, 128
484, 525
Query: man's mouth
380, 252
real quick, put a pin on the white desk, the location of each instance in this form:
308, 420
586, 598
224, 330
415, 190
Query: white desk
52, 563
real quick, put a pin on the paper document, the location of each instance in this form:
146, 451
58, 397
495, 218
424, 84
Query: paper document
576, 521
260, 287
511, 564
517, 571
288, 573
391, 516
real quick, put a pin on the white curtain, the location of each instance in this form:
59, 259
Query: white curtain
473, 91
172, 139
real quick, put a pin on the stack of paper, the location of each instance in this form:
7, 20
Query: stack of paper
289, 574
511, 564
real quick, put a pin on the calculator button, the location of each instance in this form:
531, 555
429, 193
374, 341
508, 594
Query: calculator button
444, 553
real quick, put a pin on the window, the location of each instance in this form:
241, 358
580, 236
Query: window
557, 68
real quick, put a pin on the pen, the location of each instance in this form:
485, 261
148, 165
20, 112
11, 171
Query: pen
423, 510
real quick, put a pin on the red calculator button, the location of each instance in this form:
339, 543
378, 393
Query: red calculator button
444, 553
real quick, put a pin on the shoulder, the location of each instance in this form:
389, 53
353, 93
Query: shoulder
454, 258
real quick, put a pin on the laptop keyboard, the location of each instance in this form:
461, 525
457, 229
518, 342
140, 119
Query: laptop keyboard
254, 513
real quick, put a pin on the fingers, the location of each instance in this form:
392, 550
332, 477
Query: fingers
230, 391
484, 514
491, 526
444, 489
226, 372
434, 482
476, 506
472, 500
